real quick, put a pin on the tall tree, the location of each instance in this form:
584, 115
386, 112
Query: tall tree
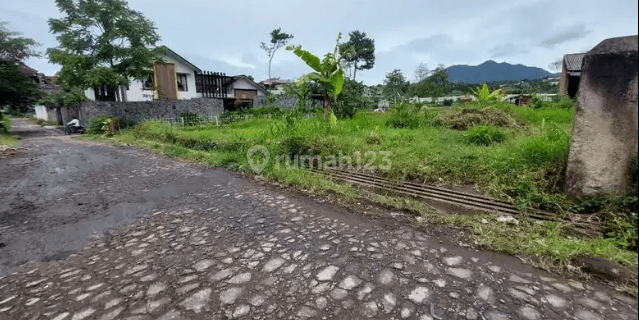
359, 51
103, 42
421, 72
395, 85
16, 90
278, 40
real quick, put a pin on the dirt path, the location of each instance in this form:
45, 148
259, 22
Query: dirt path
118, 233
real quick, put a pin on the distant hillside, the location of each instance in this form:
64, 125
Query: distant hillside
493, 71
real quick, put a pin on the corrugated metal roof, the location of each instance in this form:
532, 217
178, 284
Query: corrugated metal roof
574, 61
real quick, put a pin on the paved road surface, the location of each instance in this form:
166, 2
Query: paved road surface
117, 233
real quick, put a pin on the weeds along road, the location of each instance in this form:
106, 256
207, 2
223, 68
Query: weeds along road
93, 231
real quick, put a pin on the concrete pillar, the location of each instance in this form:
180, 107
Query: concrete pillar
604, 137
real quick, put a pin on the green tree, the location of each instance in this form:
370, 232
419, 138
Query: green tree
358, 51
278, 40
16, 90
64, 97
328, 71
395, 85
351, 99
103, 42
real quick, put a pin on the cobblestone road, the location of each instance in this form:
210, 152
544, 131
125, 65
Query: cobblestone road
245, 251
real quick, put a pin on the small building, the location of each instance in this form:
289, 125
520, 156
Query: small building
245, 92
571, 74
522, 100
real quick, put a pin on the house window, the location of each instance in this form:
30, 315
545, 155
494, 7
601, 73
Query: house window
181, 82
148, 83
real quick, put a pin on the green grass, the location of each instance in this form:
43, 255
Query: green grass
551, 242
6, 138
518, 168
525, 163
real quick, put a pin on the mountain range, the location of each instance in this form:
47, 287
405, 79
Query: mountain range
493, 71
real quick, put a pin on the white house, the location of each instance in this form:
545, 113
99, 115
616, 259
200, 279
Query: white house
177, 78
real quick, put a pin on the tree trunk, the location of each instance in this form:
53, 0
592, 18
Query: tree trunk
354, 70
269, 66
117, 95
124, 97
327, 106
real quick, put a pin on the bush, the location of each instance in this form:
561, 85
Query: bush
448, 102
404, 116
485, 135
350, 99
294, 146
464, 118
103, 125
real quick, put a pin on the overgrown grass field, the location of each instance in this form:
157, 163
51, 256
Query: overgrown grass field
508, 152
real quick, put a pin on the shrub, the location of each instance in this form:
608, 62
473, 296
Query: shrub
448, 102
350, 99
103, 125
294, 146
485, 135
464, 118
404, 116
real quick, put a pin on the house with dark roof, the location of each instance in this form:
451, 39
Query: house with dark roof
177, 78
245, 92
174, 79
571, 74
45, 83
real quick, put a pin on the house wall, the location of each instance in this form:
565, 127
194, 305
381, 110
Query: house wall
563, 79
41, 113
136, 93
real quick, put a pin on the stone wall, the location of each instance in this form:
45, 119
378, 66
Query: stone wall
605, 132
141, 110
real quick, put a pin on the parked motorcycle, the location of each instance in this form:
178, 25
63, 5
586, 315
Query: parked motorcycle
73, 129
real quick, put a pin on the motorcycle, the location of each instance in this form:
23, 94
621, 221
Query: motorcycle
73, 129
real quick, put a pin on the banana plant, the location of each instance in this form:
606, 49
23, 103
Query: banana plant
328, 72
483, 94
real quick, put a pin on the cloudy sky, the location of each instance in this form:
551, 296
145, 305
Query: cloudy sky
224, 36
